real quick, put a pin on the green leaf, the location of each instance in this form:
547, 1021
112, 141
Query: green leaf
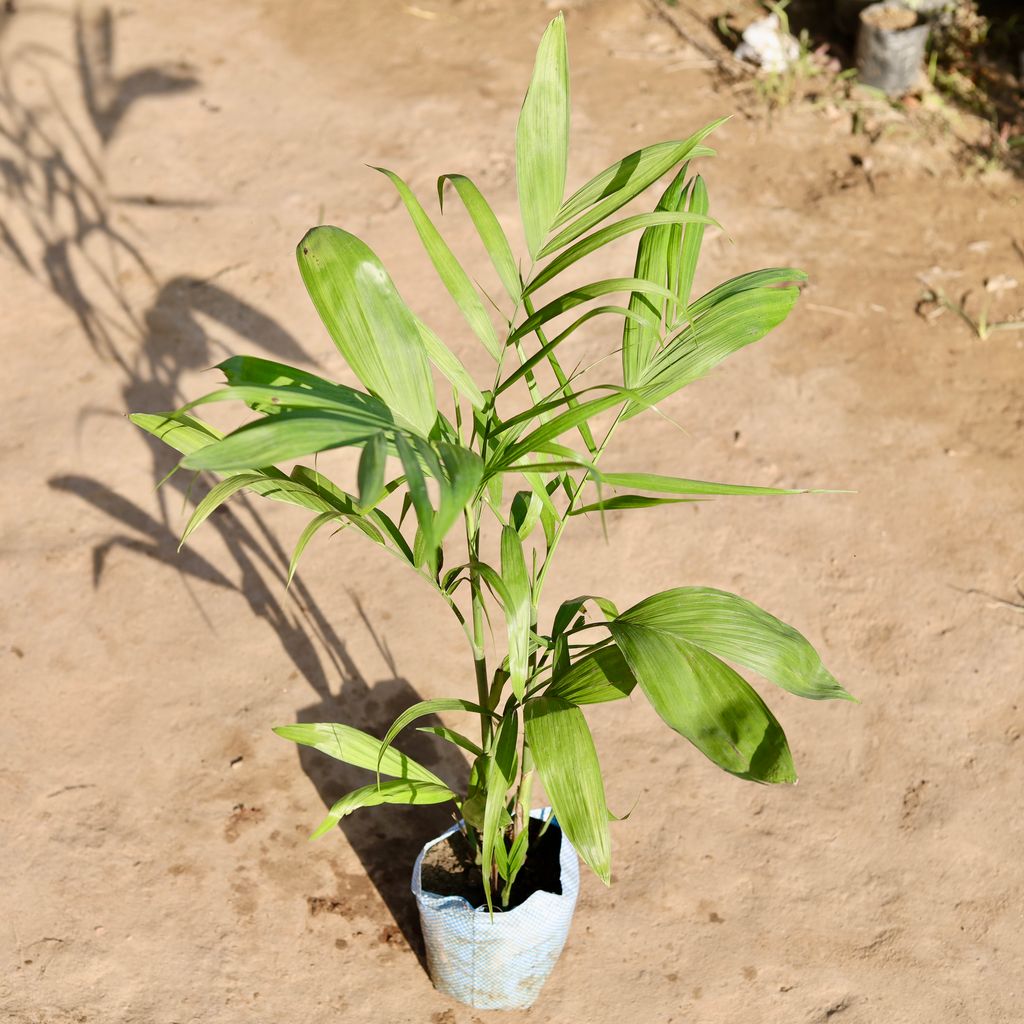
462, 472
306, 536
542, 137
420, 710
183, 433
219, 493
452, 737
681, 275
448, 268
563, 751
704, 700
501, 771
288, 435
395, 791
608, 234
371, 325
641, 338
731, 324
620, 183
621, 502
598, 676
679, 485
355, 747
738, 630
519, 611
371, 470
584, 294
253, 371
489, 230
450, 365
417, 485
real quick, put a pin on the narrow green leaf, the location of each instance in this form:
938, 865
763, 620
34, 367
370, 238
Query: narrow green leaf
542, 137
738, 630
681, 282
621, 502
371, 470
371, 325
574, 298
631, 180
501, 770
417, 485
448, 268
420, 710
610, 233
462, 472
732, 324
679, 485
306, 536
704, 700
450, 365
452, 737
184, 434
219, 493
395, 791
563, 751
519, 612
641, 338
355, 747
288, 435
490, 231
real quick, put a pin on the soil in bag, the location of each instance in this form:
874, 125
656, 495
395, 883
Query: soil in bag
449, 869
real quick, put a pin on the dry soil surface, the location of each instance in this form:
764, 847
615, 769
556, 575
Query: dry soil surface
160, 162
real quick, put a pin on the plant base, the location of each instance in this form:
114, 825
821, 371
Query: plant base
498, 963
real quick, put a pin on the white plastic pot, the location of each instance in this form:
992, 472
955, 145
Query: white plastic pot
498, 963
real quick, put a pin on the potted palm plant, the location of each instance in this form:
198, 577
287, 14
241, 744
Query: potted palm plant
475, 495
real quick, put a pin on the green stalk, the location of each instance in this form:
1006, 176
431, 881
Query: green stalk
479, 654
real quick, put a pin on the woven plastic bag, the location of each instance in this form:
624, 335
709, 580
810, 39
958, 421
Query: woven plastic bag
498, 963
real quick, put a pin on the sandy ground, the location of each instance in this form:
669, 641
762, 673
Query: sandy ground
158, 170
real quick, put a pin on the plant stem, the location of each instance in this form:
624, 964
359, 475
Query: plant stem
479, 654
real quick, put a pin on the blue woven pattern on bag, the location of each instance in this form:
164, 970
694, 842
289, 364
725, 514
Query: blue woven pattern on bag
498, 963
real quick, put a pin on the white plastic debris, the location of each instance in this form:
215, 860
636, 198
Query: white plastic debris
766, 43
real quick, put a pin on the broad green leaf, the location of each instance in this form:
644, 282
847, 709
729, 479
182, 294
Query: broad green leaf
420, 710
598, 676
732, 324
563, 751
679, 485
394, 791
355, 747
628, 179
219, 493
452, 737
704, 700
607, 234
489, 230
371, 470
621, 502
371, 325
448, 268
501, 770
738, 630
450, 365
542, 137
519, 612
306, 536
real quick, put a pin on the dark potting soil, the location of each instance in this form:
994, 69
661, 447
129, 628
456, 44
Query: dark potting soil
449, 870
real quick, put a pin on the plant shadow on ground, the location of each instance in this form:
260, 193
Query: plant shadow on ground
63, 232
